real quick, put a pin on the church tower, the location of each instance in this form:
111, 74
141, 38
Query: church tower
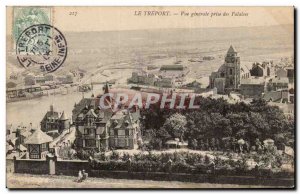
232, 69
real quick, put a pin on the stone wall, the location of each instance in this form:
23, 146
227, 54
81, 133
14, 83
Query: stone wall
31, 166
72, 167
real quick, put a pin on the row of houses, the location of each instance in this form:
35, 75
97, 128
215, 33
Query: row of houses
34, 141
168, 76
27, 143
31, 79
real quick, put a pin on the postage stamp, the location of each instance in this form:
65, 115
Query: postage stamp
41, 46
23, 17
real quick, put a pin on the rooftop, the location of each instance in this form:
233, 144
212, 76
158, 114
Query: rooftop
38, 137
172, 67
279, 80
274, 95
231, 49
63, 116
253, 81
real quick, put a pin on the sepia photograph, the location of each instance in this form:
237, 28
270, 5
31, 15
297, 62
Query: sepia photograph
150, 97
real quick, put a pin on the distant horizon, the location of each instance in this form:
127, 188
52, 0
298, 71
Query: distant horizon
153, 29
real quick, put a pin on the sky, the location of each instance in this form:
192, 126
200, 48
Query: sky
124, 18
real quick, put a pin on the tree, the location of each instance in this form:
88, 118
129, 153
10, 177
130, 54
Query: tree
193, 143
163, 134
226, 143
155, 143
82, 154
236, 121
176, 125
220, 126
220, 120
115, 155
258, 105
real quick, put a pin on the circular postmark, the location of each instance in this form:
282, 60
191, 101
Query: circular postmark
41, 46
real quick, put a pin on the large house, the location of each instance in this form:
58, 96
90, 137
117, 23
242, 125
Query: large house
252, 87
229, 75
278, 83
54, 121
91, 128
124, 131
103, 129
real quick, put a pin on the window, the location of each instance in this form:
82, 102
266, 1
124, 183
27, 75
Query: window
121, 132
100, 130
34, 156
34, 152
126, 132
230, 72
116, 132
86, 131
92, 131
90, 143
44, 147
79, 143
126, 123
89, 121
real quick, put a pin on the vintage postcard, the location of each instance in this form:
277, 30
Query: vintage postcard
150, 97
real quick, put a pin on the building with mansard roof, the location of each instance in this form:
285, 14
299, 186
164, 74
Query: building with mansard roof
103, 129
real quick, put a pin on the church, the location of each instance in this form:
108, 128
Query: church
228, 76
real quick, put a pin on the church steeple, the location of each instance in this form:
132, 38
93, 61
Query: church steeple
231, 50
232, 68
231, 55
